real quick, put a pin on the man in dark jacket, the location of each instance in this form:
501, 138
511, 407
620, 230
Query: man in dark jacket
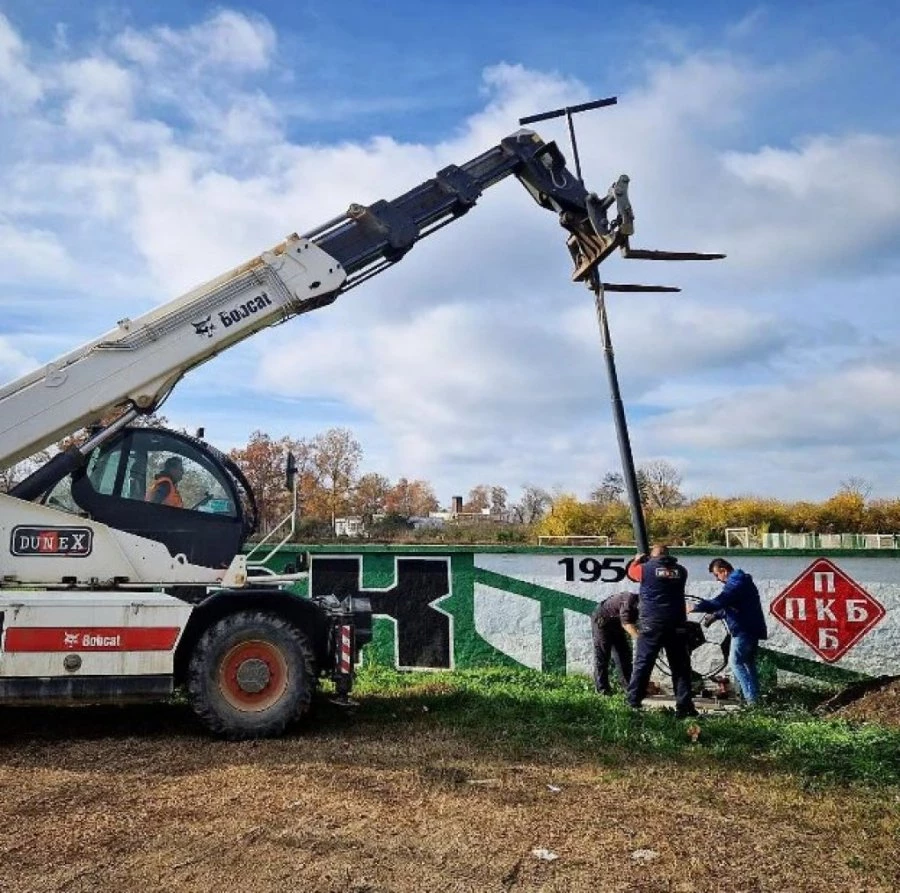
663, 625
613, 621
740, 606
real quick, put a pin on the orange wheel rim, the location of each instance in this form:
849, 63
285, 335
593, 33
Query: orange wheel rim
253, 676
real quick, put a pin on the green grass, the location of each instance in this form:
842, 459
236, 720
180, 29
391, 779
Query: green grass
522, 713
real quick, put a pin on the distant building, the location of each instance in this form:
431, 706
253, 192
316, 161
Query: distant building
485, 516
435, 521
351, 525
355, 525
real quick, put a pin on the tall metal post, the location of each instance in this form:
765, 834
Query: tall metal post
629, 475
622, 235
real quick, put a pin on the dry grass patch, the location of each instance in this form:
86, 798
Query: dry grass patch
398, 798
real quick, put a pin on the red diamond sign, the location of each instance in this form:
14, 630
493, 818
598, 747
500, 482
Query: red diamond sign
826, 609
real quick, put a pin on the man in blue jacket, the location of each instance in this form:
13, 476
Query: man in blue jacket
739, 604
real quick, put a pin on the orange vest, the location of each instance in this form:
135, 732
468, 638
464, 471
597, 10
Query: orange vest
173, 498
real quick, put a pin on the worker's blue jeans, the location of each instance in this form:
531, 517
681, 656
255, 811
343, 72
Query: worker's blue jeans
743, 663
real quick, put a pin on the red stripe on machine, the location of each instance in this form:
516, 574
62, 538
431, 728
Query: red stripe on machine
346, 665
90, 638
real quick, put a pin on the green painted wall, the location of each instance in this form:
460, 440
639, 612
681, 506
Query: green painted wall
513, 605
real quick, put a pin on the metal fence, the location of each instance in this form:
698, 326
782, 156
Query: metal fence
831, 541
573, 540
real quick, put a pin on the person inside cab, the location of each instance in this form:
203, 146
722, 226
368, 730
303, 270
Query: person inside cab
164, 489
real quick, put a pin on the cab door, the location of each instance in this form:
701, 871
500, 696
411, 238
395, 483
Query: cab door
208, 528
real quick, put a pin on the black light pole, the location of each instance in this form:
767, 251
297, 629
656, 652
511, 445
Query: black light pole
629, 475
587, 254
638, 524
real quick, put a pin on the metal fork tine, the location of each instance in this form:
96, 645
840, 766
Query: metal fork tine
629, 287
651, 254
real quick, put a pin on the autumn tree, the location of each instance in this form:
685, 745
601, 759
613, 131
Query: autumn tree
532, 505
611, 488
370, 495
661, 484
312, 498
336, 455
411, 499
263, 463
479, 499
499, 497
569, 517
883, 515
564, 518
843, 513
803, 517
708, 517
856, 486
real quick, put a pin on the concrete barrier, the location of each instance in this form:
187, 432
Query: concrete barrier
832, 617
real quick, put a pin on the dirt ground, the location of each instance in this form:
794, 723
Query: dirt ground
881, 705
136, 798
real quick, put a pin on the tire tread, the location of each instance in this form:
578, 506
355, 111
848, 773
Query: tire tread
269, 723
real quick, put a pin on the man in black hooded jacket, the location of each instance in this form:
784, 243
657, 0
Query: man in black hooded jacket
663, 625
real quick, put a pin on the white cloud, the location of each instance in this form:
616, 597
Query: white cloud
32, 255
797, 438
101, 94
829, 202
749, 25
858, 404
160, 159
204, 74
226, 40
20, 87
13, 362
251, 120
676, 337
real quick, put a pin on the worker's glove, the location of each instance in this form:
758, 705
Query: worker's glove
709, 620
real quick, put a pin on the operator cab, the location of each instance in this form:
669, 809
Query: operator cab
168, 487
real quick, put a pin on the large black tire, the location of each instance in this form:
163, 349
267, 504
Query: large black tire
250, 675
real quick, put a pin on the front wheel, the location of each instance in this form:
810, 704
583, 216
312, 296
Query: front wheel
251, 674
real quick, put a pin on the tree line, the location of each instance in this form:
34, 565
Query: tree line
330, 485
673, 517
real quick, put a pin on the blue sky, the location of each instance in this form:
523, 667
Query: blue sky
377, 62
149, 147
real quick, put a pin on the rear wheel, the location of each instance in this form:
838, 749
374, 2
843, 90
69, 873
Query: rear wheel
251, 674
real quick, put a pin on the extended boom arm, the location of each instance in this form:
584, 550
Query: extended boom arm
135, 366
